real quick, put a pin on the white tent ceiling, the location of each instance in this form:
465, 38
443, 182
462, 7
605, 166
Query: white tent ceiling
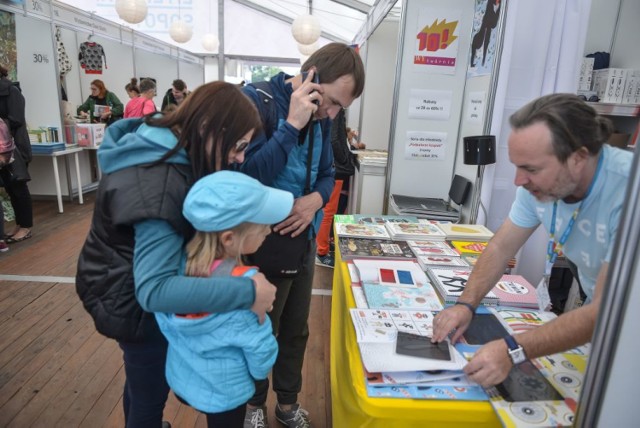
252, 28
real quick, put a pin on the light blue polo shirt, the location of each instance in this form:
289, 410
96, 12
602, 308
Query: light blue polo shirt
592, 239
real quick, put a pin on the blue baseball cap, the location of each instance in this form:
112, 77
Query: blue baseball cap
225, 199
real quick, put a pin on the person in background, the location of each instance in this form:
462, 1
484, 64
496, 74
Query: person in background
15, 176
132, 88
573, 184
7, 147
112, 110
175, 95
213, 359
131, 263
304, 110
142, 105
344, 162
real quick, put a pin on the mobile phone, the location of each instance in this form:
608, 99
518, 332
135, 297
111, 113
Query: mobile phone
316, 79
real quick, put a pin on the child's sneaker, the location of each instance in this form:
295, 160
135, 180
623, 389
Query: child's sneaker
297, 417
326, 260
3, 247
256, 417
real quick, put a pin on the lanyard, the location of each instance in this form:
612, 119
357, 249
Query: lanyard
554, 249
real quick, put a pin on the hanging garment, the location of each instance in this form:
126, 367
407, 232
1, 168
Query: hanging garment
64, 64
91, 55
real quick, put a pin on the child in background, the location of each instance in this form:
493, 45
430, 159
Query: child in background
213, 359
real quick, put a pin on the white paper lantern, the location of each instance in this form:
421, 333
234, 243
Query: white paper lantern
132, 11
210, 42
306, 29
308, 49
180, 31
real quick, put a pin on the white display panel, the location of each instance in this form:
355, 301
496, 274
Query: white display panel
160, 67
192, 74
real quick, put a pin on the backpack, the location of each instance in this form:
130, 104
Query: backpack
7, 144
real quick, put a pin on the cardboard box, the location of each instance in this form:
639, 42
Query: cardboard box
586, 74
632, 88
89, 135
609, 84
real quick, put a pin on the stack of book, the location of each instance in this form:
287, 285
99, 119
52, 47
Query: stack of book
450, 284
414, 231
431, 208
435, 253
516, 291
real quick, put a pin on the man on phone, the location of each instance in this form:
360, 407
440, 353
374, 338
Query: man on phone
297, 113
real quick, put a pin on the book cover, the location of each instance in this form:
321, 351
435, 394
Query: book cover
398, 273
351, 248
431, 261
422, 297
382, 219
466, 232
414, 231
362, 230
432, 248
450, 284
516, 291
469, 247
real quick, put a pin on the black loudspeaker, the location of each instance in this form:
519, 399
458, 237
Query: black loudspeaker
480, 150
459, 189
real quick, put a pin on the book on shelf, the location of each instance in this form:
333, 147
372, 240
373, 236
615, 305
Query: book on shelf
466, 232
450, 284
354, 230
414, 231
351, 248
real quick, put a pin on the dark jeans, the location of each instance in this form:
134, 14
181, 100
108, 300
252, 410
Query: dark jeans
145, 389
20, 196
233, 418
289, 318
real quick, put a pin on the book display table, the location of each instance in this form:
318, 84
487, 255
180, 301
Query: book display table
352, 407
54, 160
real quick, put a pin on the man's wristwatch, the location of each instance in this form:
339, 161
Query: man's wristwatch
516, 352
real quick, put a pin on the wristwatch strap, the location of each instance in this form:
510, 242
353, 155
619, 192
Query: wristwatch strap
468, 306
511, 343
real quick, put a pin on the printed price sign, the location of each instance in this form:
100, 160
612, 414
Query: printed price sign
430, 104
425, 145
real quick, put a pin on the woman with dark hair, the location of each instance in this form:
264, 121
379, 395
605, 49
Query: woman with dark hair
15, 175
101, 106
131, 264
142, 105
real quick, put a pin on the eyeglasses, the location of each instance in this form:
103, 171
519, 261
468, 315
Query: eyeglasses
592, 98
241, 146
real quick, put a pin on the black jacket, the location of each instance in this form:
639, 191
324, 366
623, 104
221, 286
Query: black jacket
343, 159
12, 106
124, 198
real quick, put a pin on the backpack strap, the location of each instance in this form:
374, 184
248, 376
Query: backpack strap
266, 107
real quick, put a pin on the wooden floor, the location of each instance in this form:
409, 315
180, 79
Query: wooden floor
56, 371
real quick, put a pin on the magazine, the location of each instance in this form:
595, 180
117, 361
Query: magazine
352, 230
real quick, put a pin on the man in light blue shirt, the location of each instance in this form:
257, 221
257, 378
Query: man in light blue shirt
574, 185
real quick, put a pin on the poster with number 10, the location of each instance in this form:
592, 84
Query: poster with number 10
436, 44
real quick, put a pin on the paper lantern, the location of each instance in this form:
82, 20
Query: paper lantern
308, 49
210, 42
132, 11
180, 31
306, 29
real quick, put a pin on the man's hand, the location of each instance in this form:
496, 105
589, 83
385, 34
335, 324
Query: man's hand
456, 318
490, 365
265, 295
302, 106
304, 209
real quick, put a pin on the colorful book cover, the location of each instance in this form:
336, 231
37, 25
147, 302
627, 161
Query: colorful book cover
397, 273
521, 320
450, 284
429, 248
516, 291
351, 248
466, 232
374, 231
432, 261
422, 297
469, 247
414, 231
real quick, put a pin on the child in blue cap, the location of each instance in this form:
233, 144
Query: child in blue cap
213, 359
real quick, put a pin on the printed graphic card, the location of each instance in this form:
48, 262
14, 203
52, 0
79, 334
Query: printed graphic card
516, 291
466, 232
469, 247
397, 273
422, 297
